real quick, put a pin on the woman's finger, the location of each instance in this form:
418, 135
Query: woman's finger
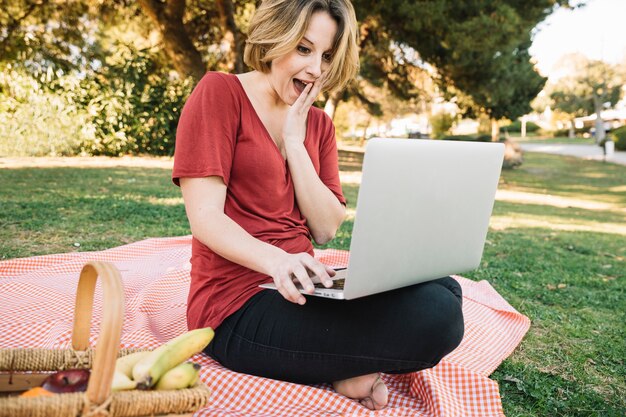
291, 293
289, 296
315, 91
302, 276
319, 270
299, 104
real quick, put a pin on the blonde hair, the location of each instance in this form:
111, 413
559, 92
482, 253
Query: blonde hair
278, 26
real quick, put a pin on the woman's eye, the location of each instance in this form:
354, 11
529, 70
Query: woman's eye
327, 57
303, 49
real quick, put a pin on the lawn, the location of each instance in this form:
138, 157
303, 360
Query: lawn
555, 250
550, 140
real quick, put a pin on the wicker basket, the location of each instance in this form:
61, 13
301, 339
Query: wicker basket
21, 368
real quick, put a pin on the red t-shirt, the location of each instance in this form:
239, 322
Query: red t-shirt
219, 133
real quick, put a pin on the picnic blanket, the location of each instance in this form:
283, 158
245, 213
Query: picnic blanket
37, 299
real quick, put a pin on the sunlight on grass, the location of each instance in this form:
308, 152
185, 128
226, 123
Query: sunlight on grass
172, 201
555, 223
555, 201
618, 189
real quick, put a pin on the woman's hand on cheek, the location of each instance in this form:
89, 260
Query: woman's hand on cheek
294, 129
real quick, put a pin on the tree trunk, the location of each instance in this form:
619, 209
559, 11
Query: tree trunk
168, 17
233, 35
367, 126
572, 133
600, 134
495, 131
523, 126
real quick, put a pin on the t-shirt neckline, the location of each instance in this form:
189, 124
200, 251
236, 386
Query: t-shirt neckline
258, 118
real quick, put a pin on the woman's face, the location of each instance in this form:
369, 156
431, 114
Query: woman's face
290, 73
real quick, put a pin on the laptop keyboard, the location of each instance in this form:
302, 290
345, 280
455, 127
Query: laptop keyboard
337, 285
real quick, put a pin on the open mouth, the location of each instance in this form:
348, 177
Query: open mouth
300, 86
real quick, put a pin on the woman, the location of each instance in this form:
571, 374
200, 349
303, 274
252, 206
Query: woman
257, 165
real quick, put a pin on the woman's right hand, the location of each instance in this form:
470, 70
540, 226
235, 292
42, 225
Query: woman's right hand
299, 267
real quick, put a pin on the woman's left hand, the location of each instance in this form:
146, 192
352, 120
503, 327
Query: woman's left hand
294, 129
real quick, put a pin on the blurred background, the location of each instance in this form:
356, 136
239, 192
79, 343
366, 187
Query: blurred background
94, 77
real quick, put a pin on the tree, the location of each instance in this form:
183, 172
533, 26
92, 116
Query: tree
568, 97
168, 18
481, 50
477, 48
590, 85
45, 34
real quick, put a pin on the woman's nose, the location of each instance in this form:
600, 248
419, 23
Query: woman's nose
315, 66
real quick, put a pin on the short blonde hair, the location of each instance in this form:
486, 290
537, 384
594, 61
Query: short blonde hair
278, 26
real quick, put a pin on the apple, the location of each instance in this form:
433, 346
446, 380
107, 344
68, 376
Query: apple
70, 380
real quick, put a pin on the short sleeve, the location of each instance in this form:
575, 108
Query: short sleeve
207, 131
329, 160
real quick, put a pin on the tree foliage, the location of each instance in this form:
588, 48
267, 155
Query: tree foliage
588, 88
135, 52
574, 93
479, 48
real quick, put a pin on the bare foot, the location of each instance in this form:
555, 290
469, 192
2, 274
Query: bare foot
369, 389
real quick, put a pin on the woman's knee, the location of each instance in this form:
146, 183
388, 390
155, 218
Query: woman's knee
448, 323
441, 317
451, 285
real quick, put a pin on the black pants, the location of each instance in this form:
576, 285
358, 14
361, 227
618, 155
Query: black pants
326, 340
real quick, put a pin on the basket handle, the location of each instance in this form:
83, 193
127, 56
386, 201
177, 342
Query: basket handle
107, 348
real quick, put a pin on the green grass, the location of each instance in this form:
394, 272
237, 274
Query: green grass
550, 140
559, 260
50, 210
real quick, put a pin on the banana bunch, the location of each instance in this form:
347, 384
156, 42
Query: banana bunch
165, 367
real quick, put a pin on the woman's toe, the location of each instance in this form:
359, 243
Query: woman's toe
367, 402
380, 394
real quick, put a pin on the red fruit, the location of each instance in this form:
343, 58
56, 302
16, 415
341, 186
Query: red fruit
71, 380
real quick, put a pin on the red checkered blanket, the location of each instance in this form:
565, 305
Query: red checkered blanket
38, 296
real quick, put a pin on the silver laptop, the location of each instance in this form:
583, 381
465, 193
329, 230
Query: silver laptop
422, 213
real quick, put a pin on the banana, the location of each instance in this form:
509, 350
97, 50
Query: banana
149, 369
122, 382
182, 376
125, 364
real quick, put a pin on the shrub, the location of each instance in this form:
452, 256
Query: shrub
441, 123
471, 138
35, 121
565, 132
129, 107
619, 137
516, 126
136, 107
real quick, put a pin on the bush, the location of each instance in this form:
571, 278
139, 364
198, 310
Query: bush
136, 107
471, 138
565, 132
619, 137
516, 127
35, 121
441, 123
127, 108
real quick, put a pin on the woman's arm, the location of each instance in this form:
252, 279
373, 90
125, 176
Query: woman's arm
323, 212
204, 202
